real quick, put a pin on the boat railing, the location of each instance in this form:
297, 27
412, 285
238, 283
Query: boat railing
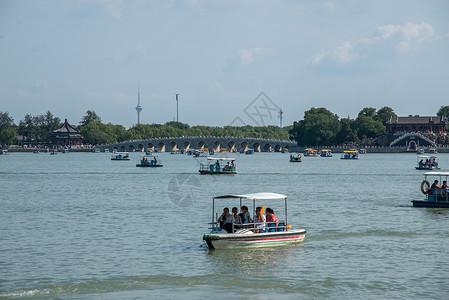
256, 227
438, 195
216, 168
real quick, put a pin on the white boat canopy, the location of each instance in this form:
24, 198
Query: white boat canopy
427, 156
150, 155
219, 158
436, 173
120, 153
255, 196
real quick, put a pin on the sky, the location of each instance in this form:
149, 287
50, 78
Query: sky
231, 62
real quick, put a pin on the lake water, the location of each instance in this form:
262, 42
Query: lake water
80, 226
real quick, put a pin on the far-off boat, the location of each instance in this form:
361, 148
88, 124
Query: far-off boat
218, 165
120, 156
295, 157
427, 162
260, 232
326, 153
150, 161
350, 154
434, 187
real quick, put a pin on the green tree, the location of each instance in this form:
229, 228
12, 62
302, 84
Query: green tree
368, 112
444, 111
319, 127
368, 127
90, 116
346, 133
8, 131
384, 114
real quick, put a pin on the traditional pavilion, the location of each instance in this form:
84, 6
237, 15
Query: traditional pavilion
67, 135
421, 124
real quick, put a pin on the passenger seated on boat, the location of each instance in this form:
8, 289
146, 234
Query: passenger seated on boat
225, 220
260, 220
237, 219
272, 220
246, 217
227, 167
434, 188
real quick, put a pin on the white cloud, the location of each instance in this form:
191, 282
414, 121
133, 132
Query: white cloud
245, 57
406, 37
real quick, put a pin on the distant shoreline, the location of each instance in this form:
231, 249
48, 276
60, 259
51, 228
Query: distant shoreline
297, 149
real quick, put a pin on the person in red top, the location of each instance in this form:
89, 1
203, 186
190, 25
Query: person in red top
271, 217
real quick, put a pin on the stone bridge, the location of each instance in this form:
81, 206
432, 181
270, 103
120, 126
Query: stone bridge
205, 143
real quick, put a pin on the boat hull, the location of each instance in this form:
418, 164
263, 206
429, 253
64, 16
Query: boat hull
268, 239
203, 172
148, 166
419, 168
421, 203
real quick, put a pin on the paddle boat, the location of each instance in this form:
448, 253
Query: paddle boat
149, 160
295, 157
254, 233
249, 151
420, 151
3, 152
53, 152
436, 195
218, 165
310, 152
427, 162
120, 156
199, 153
326, 153
175, 151
433, 150
362, 151
350, 154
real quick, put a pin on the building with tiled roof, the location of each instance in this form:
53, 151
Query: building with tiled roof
422, 124
67, 135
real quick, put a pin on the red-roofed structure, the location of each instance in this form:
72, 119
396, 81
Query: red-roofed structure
422, 124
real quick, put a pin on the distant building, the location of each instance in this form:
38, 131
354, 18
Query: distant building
421, 124
67, 135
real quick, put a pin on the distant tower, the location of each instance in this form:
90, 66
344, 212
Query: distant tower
138, 107
280, 117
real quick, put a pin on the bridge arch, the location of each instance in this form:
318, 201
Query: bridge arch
243, 146
231, 146
131, 148
216, 146
256, 147
277, 148
141, 147
201, 145
173, 145
150, 145
161, 147
267, 148
186, 146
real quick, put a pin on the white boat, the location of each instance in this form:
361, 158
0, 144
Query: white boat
253, 234
218, 165
420, 151
151, 161
427, 162
3, 152
436, 194
120, 156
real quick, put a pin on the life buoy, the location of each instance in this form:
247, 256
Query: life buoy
299, 156
427, 189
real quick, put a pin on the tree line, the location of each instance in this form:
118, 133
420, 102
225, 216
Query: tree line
39, 129
319, 127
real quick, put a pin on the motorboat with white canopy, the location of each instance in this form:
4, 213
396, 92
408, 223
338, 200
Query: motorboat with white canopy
150, 161
427, 162
260, 232
218, 165
434, 187
120, 156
